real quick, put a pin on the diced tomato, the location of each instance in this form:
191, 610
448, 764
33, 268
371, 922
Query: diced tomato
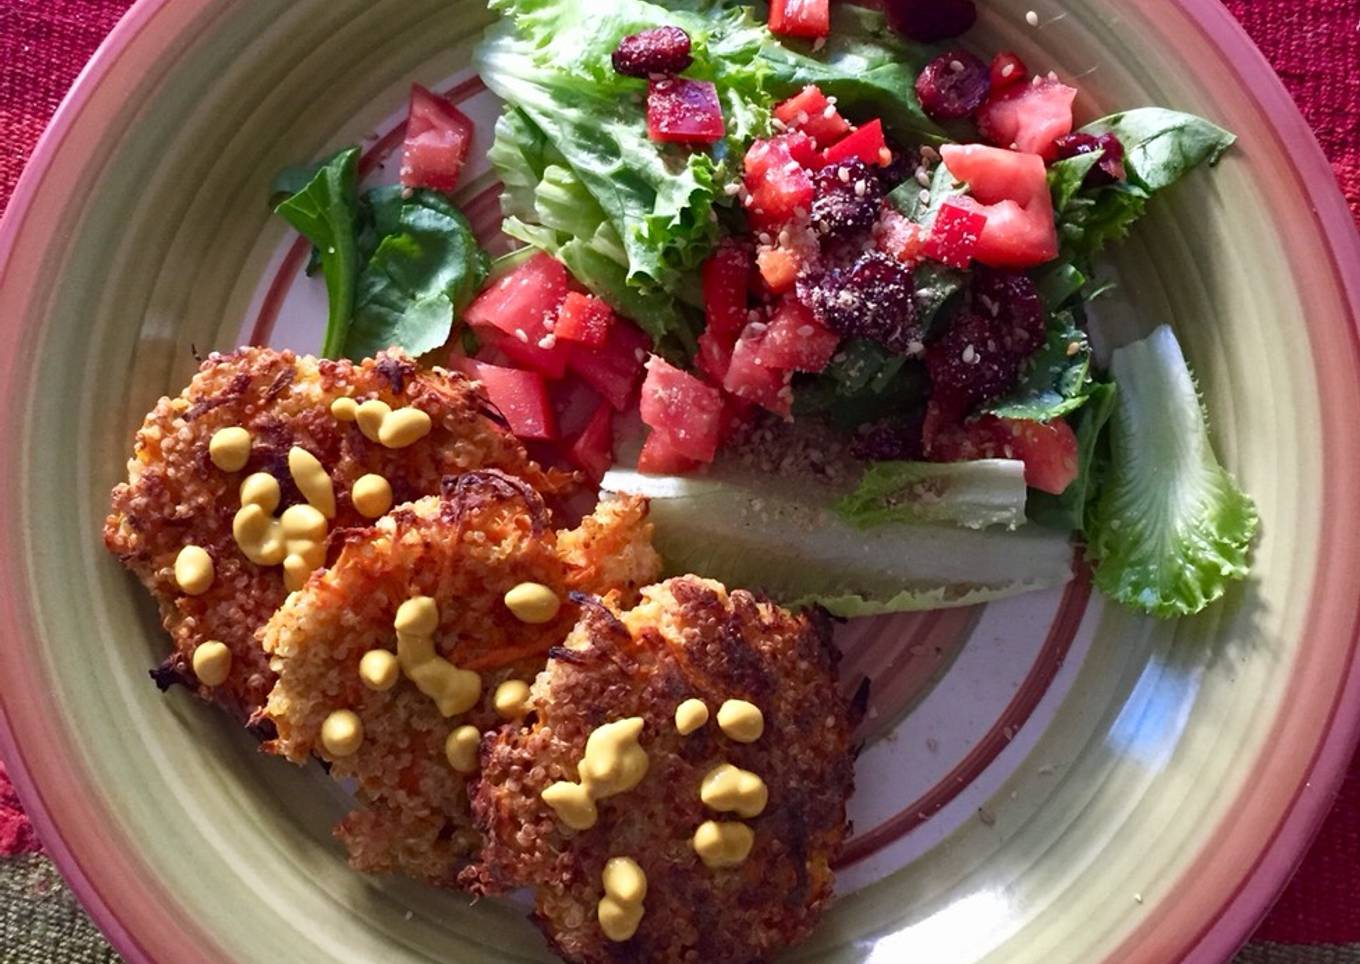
614, 368
1007, 70
748, 379
525, 301
715, 354
659, 456
522, 398
794, 341
954, 236
800, 18
585, 319
765, 155
548, 362
681, 111
1048, 449
1011, 190
901, 237
1028, 117
810, 112
726, 283
866, 143
438, 136
687, 410
592, 451
778, 184
779, 268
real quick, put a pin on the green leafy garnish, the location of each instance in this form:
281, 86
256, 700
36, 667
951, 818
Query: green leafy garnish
978, 494
422, 275
1170, 528
1055, 380
323, 211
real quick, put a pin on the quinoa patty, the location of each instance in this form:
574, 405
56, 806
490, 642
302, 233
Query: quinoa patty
175, 496
688, 638
488, 533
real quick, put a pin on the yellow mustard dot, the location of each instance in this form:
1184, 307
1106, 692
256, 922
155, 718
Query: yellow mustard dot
212, 663
533, 602
229, 448
194, 570
614, 761
742, 721
296, 569
461, 748
312, 480
625, 880
572, 803
625, 887
303, 522
404, 427
723, 844
453, 690
259, 535
262, 489
370, 415
690, 716
344, 409
418, 616
371, 495
379, 669
343, 733
511, 697
729, 789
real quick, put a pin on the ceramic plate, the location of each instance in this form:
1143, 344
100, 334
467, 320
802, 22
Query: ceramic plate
1046, 778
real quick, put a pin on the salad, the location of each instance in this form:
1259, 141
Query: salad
820, 282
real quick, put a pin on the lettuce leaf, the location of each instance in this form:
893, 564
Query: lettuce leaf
323, 211
783, 536
987, 492
426, 269
1170, 529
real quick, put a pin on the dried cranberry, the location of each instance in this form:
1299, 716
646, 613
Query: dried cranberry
874, 298
980, 356
892, 439
849, 198
662, 50
1108, 169
953, 85
930, 21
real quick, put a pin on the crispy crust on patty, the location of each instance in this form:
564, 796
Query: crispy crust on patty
488, 533
688, 638
175, 496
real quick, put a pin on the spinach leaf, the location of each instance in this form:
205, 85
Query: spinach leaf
1056, 381
1060, 283
1068, 510
424, 272
1065, 177
935, 285
1162, 146
323, 211
1096, 217
922, 208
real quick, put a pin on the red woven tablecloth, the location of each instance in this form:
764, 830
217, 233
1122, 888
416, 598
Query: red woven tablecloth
1314, 44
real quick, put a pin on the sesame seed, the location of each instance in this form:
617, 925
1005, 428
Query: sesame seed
829, 112
1072, 348
922, 177
860, 189
969, 355
733, 189
956, 66
1032, 18
1007, 70
522, 335
779, 125
1036, 81
924, 196
818, 44
844, 175
804, 331
547, 341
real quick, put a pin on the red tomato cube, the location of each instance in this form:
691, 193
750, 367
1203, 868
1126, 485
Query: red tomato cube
800, 18
810, 112
684, 408
684, 111
1007, 71
438, 136
778, 269
866, 143
1011, 190
747, 379
659, 456
955, 235
523, 303
522, 398
726, 285
794, 341
584, 319
715, 354
779, 186
592, 451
